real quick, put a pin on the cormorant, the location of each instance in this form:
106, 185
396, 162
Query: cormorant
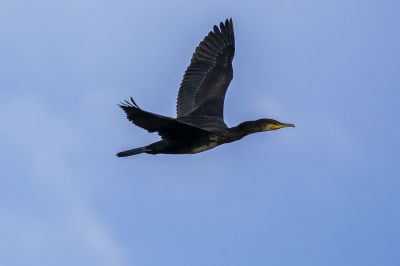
199, 125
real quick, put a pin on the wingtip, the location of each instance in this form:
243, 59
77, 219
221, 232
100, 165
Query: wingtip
216, 29
228, 21
134, 103
126, 104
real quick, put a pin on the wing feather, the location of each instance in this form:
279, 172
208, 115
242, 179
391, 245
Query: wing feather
166, 127
206, 80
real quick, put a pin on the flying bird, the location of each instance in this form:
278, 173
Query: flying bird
199, 125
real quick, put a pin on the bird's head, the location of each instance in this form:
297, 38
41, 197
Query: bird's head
271, 124
260, 125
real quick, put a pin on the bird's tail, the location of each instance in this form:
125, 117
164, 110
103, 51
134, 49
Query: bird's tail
131, 152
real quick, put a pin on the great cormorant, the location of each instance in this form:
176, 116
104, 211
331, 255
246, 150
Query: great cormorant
199, 125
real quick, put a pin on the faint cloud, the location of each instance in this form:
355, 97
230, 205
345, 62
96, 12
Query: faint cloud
48, 139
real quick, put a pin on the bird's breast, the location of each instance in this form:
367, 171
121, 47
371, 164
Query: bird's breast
204, 147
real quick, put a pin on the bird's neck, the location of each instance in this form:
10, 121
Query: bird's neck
246, 128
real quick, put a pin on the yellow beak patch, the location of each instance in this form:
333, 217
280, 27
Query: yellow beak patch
273, 127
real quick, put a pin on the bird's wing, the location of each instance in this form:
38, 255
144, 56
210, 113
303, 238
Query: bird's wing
203, 88
166, 127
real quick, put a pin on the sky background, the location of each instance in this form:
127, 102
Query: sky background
325, 193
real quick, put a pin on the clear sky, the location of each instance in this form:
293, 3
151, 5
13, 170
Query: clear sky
325, 193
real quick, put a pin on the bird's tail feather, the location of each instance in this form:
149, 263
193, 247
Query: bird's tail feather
131, 152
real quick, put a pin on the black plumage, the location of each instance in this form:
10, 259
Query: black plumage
199, 125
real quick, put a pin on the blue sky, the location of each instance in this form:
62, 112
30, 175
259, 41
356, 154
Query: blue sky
325, 193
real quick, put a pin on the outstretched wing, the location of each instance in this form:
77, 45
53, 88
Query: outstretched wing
202, 91
166, 127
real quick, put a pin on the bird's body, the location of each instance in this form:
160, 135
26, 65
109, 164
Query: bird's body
199, 125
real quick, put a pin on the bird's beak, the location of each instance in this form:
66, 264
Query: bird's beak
287, 125
278, 126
